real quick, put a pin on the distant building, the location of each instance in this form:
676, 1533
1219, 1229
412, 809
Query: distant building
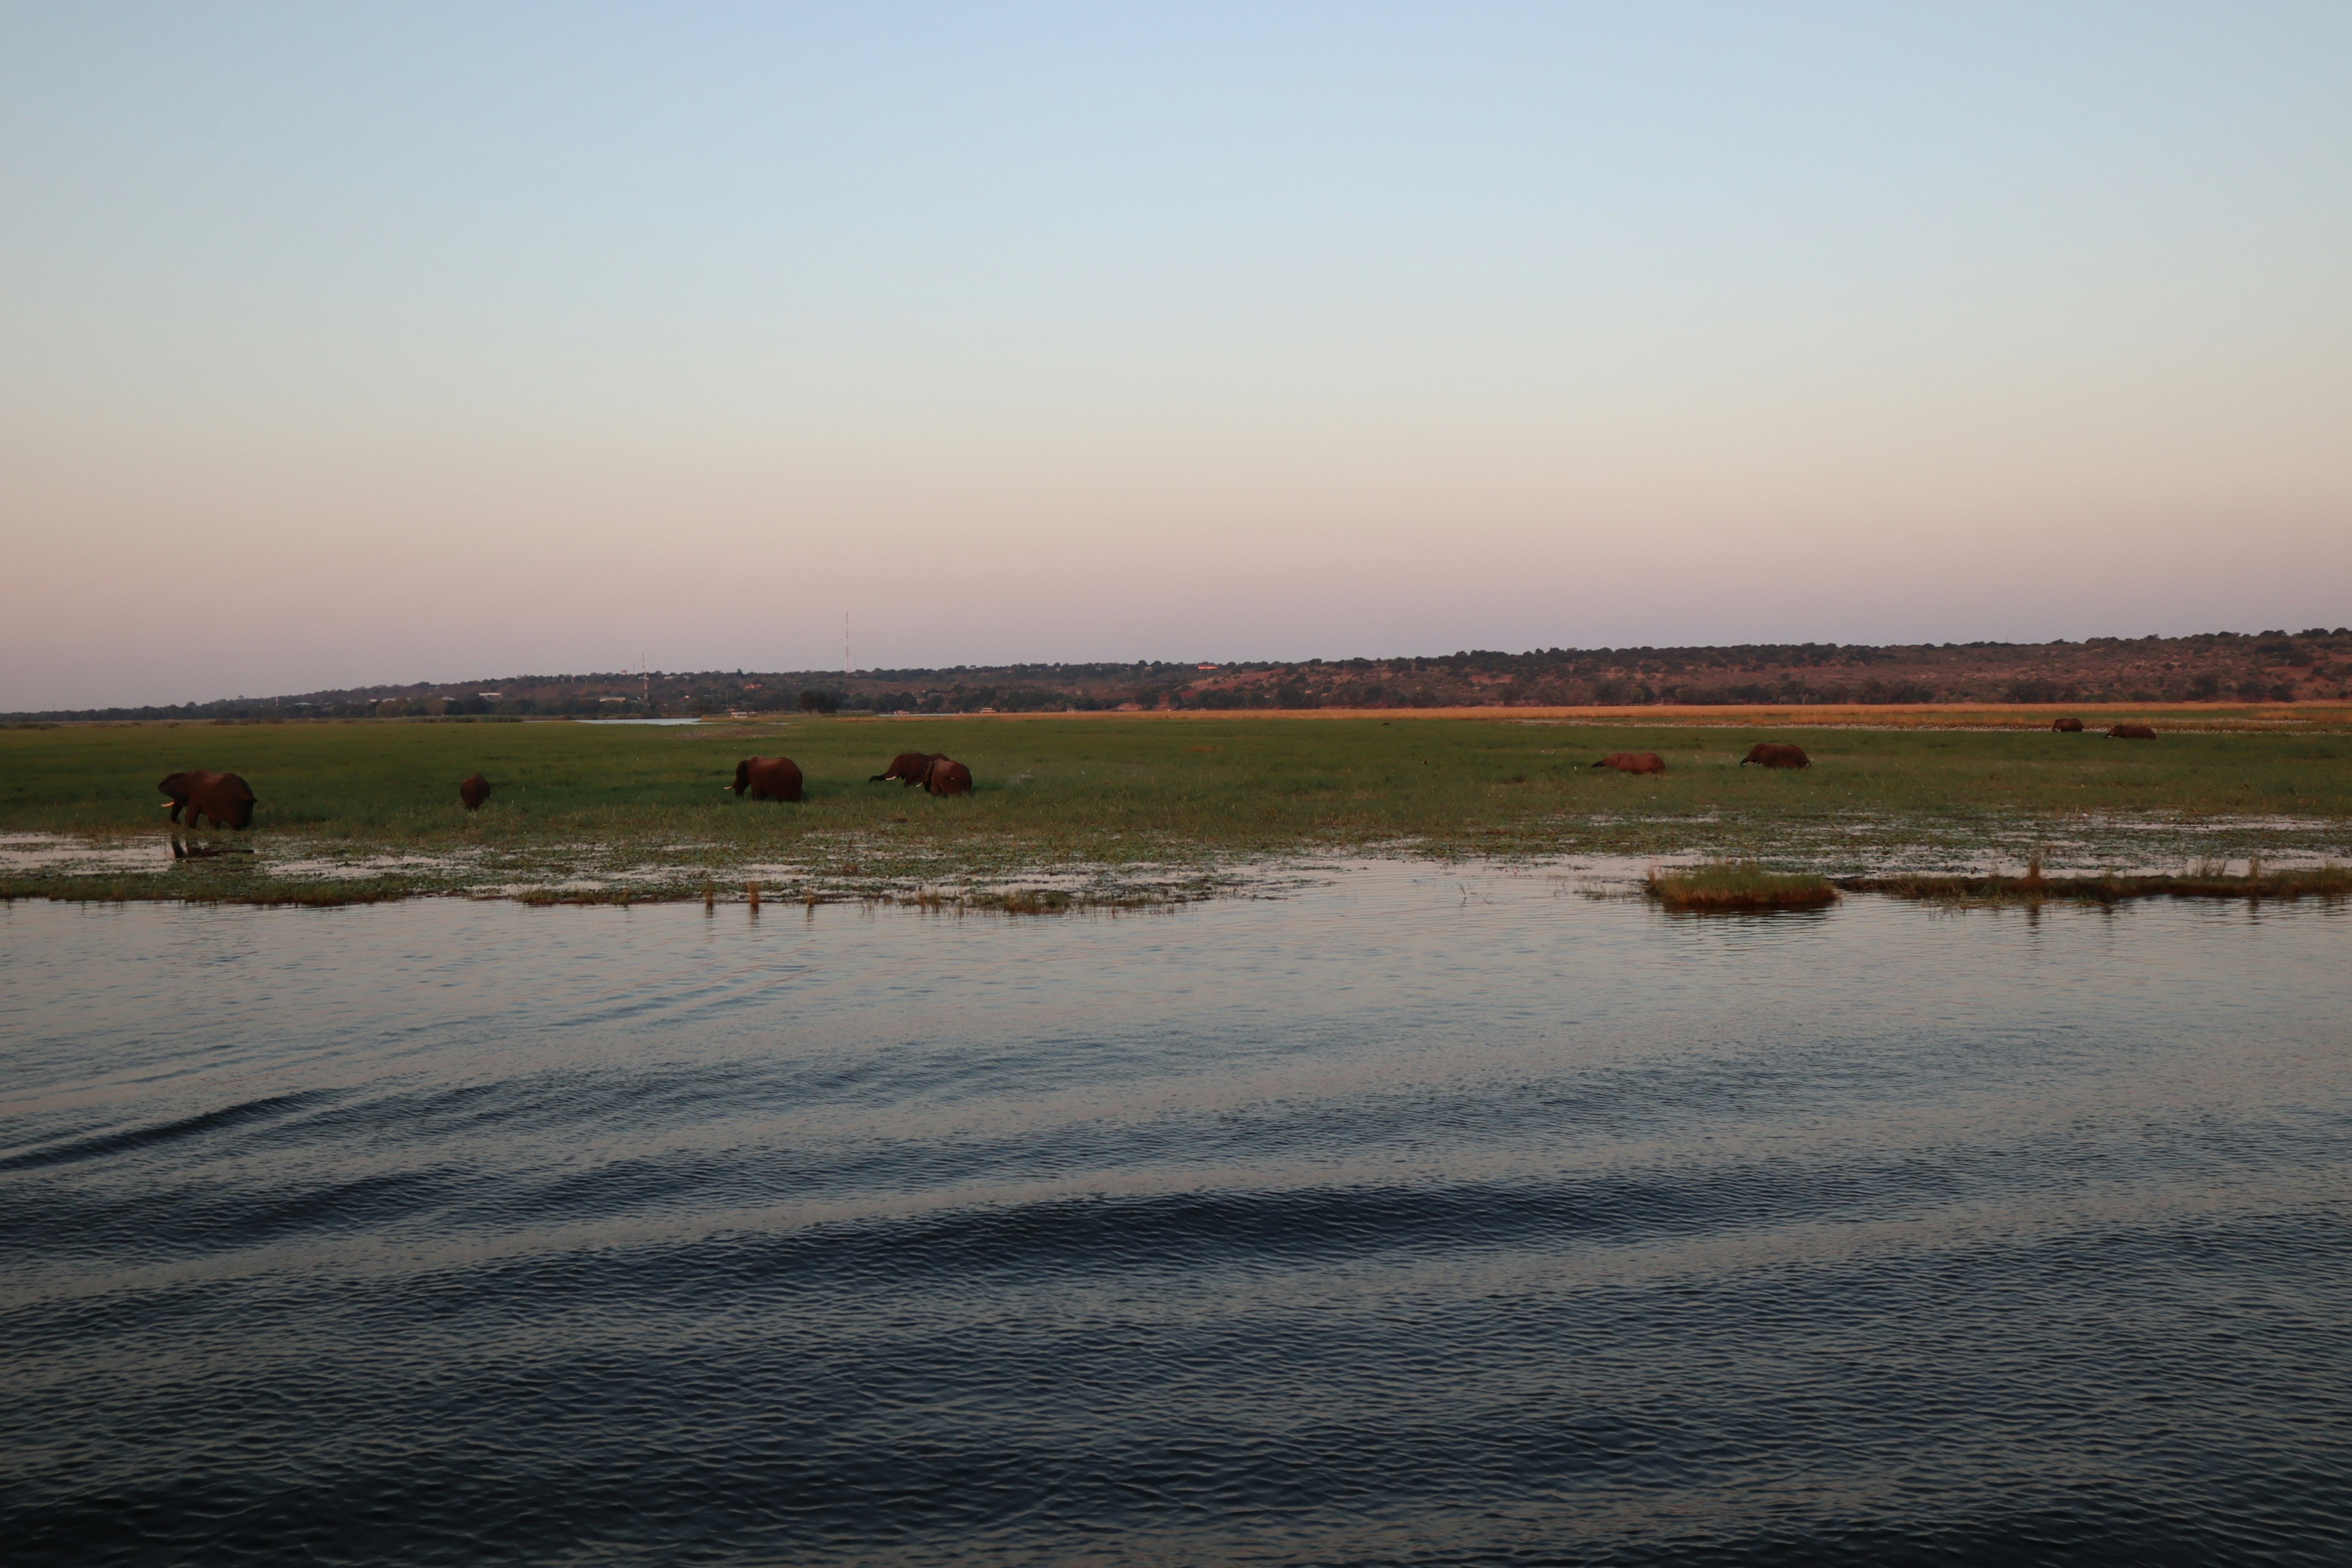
1204, 667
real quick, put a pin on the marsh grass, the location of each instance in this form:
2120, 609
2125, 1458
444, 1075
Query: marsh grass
641, 813
2206, 880
1738, 885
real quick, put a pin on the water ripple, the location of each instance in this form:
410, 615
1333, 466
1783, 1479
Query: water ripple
1427, 1218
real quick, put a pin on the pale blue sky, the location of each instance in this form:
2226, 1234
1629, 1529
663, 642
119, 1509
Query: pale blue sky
425, 343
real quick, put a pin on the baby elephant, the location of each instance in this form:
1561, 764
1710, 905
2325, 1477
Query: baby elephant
1633, 762
2131, 732
2067, 726
1765, 754
947, 777
225, 798
474, 791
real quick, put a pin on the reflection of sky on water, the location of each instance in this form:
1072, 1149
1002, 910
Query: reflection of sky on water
1438, 1194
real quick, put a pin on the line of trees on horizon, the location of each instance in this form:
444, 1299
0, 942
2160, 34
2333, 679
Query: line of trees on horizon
2266, 666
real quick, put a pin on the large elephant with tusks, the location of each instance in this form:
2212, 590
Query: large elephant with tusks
225, 799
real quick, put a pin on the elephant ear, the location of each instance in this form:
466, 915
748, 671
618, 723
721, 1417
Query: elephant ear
742, 776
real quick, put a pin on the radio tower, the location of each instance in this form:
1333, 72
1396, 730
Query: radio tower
845, 642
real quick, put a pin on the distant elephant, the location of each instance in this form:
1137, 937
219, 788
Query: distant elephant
474, 791
2067, 726
1765, 754
947, 777
767, 778
2131, 732
1633, 762
908, 768
224, 798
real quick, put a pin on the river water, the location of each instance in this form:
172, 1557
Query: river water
1425, 1216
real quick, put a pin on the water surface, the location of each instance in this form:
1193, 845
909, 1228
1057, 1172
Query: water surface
1429, 1216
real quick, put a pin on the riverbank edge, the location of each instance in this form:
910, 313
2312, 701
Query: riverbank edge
2328, 882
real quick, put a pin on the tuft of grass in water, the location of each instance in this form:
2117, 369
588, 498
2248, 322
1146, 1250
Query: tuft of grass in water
2205, 880
1738, 885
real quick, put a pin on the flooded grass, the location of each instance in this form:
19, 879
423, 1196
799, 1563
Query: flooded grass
1121, 810
1738, 885
2258, 883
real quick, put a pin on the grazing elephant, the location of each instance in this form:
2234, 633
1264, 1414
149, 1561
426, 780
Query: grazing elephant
2067, 726
474, 791
224, 798
2131, 732
1633, 762
908, 768
1765, 754
947, 777
767, 778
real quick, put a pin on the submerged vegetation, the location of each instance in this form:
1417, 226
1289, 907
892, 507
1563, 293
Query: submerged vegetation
1121, 809
2209, 882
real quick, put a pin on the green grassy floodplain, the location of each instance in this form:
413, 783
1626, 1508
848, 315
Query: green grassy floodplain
1125, 809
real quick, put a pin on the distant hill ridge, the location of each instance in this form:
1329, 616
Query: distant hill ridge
2261, 667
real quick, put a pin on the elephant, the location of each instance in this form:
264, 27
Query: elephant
947, 777
474, 791
908, 768
1765, 754
767, 778
2131, 732
2067, 726
1633, 762
224, 798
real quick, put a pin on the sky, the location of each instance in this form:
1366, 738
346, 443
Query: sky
344, 345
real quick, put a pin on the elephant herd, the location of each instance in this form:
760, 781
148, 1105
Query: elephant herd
779, 778
228, 801
1763, 753
1768, 755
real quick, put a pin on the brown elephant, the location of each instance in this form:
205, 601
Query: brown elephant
947, 777
474, 791
1633, 762
767, 778
908, 768
223, 798
2131, 732
2067, 726
1766, 754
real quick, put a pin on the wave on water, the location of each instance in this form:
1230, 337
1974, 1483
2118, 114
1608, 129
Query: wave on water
1380, 1225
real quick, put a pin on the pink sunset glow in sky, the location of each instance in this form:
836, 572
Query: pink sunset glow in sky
343, 347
